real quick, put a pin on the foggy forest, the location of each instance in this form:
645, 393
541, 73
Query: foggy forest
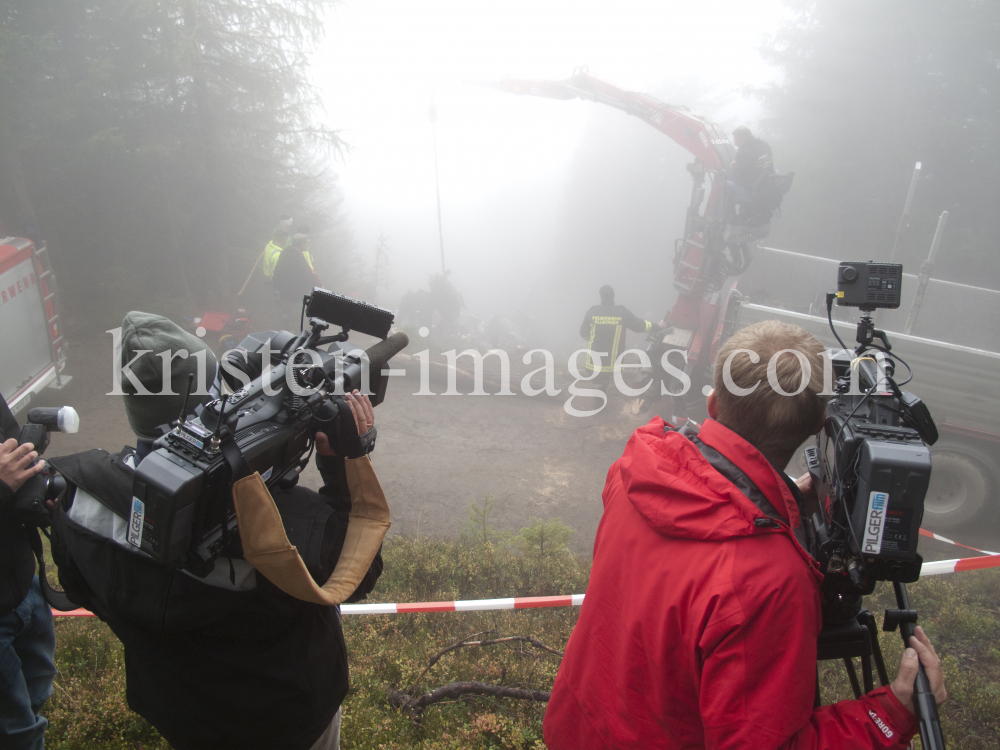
441, 163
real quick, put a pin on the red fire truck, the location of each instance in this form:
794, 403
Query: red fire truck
32, 347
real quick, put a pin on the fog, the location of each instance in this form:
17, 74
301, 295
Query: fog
153, 153
555, 196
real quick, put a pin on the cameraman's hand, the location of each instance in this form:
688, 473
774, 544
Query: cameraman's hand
902, 686
18, 464
364, 420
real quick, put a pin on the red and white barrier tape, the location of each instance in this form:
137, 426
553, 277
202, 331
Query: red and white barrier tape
932, 535
469, 605
954, 566
575, 600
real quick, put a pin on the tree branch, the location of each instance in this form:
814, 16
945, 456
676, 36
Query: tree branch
466, 642
455, 689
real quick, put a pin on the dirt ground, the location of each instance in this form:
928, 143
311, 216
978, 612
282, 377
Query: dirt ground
438, 454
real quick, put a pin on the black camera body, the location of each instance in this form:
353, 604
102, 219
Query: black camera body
872, 459
877, 467
182, 511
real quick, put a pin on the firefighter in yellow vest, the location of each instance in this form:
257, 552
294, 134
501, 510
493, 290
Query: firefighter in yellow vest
604, 328
280, 239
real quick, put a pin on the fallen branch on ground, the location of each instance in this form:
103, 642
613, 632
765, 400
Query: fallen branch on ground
416, 705
493, 641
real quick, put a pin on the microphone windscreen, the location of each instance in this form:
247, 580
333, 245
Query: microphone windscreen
383, 351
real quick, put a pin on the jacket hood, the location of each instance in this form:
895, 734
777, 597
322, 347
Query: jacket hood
680, 494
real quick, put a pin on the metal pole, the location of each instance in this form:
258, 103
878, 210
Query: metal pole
925, 274
432, 114
906, 209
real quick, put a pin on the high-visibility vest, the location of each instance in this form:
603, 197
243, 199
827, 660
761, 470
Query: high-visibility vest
271, 254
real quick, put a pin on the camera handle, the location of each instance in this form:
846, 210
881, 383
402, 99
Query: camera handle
923, 699
867, 332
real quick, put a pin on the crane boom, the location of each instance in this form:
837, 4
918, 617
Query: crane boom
705, 140
710, 252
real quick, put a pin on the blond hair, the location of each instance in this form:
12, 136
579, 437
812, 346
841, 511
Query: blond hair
775, 402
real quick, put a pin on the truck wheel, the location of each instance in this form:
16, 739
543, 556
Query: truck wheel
961, 490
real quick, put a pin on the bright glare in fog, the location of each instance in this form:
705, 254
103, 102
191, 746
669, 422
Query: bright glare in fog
503, 159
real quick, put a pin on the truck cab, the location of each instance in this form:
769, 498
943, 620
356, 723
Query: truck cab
32, 347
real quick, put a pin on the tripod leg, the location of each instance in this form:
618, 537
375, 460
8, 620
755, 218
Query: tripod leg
868, 620
866, 673
852, 676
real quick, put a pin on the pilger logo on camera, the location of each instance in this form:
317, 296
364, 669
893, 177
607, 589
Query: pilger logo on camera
875, 525
135, 522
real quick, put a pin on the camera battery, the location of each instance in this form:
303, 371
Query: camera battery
893, 473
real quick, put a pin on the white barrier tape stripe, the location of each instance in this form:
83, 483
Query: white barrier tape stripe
938, 537
479, 605
369, 609
939, 567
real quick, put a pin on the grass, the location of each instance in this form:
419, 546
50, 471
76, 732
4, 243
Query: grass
961, 613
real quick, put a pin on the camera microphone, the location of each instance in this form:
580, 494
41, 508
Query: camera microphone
381, 352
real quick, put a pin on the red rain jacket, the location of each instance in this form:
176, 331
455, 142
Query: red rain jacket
699, 628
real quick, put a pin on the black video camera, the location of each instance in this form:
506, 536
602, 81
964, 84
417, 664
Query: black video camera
48, 484
872, 459
286, 388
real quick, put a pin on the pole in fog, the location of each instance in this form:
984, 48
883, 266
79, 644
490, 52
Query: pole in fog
432, 114
906, 209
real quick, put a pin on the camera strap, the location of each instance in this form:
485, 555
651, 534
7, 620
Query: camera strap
55, 599
240, 469
739, 479
235, 459
266, 545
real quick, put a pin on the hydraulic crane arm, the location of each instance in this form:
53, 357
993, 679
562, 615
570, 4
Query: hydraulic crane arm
702, 138
701, 267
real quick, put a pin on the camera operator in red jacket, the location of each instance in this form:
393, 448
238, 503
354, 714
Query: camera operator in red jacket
700, 623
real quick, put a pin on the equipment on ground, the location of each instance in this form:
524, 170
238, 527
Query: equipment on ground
286, 388
226, 329
712, 249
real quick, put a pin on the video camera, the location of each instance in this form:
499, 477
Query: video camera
872, 459
48, 484
873, 463
285, 389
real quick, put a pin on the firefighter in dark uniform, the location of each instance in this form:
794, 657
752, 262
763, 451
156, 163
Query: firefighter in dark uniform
753, 161
604, 328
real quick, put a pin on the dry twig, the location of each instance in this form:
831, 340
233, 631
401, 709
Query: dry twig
416, 704
466, 642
